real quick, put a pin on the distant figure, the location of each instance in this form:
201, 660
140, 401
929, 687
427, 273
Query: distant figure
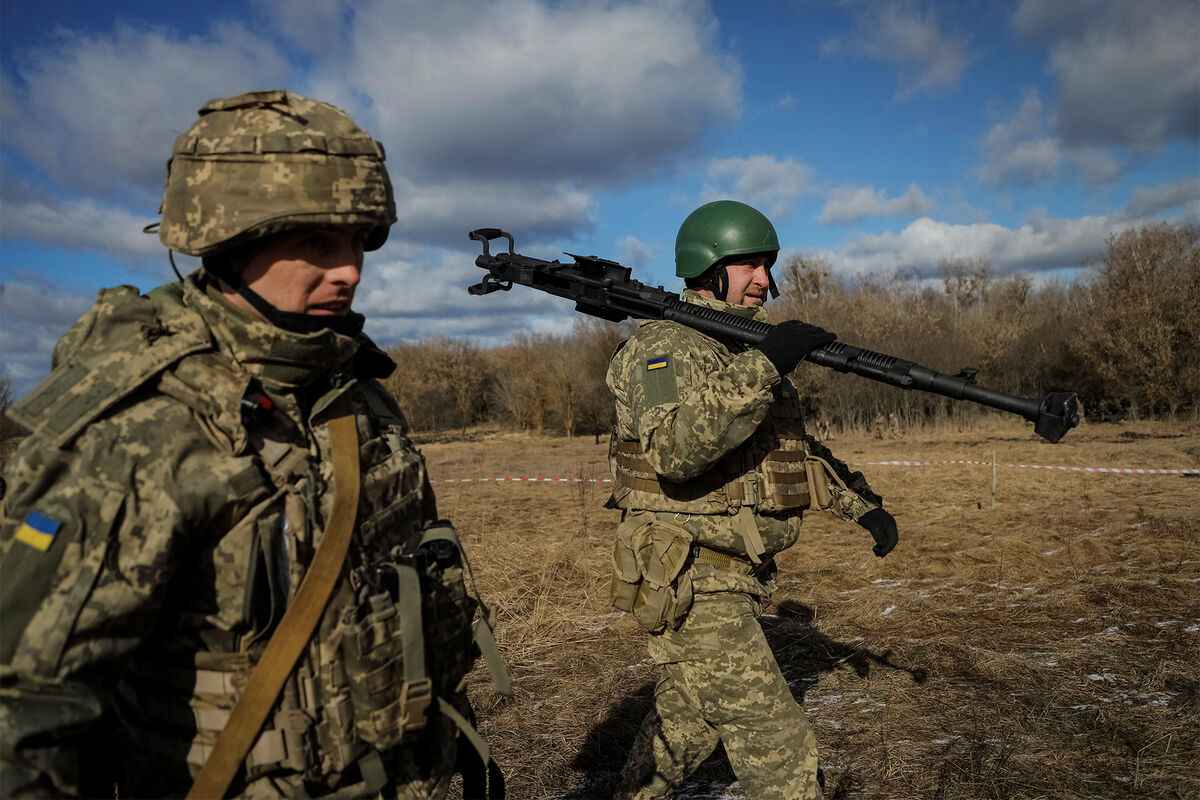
877, 425
893, 425
823, 431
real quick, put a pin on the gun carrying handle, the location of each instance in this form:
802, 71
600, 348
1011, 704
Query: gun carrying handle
485, 235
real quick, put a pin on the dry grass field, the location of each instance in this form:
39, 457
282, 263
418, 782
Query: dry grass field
1041, 641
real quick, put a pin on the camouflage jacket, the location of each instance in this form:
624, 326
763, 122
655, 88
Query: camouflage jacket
691, 405
158, 520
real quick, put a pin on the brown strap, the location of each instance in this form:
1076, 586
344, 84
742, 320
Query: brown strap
296, 627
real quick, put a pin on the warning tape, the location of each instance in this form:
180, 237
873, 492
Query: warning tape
1108, 470
1111, 470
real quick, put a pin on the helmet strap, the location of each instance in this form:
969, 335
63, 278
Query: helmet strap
720, 282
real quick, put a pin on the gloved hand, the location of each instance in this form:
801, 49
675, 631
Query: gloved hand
882, 526
790, 341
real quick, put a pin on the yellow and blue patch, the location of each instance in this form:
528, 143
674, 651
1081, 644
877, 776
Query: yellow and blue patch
657, 363
38, 531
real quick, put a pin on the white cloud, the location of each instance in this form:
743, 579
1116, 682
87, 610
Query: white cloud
633, 252
86, 225
1150, 201
929, 59
1024, 150
1128, 72
424, 294
765, 182
1041, 243
512, 117
853, 203
441, 212
597, 92
99, 113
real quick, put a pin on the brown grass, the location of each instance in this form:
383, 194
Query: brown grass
1041, 643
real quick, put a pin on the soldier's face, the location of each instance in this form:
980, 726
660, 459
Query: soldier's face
749, 281
308, 270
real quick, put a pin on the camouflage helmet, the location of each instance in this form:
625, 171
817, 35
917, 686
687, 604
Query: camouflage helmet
720, 229
264, 162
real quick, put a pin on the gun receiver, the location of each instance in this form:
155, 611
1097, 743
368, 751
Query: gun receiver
606, 289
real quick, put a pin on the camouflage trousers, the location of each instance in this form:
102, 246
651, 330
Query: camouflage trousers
720, 682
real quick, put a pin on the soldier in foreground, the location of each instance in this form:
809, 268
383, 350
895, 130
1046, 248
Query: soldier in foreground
712, 470
220, 549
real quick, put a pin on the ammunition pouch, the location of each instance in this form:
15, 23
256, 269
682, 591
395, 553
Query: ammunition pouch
410, 610
650, 578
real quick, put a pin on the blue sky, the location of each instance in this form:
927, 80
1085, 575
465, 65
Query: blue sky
883, 136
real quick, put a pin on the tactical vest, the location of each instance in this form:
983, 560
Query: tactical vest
766, 473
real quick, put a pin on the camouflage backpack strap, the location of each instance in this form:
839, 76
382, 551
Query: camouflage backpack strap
124, 341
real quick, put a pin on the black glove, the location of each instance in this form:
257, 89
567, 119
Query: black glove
882, 526
790, 341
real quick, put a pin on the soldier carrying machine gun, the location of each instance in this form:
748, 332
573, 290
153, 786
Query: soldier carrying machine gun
604, 289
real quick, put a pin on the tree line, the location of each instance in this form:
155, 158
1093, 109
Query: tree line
1125, 336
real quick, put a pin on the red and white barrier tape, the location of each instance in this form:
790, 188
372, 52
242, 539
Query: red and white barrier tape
1112, 470
1109, 470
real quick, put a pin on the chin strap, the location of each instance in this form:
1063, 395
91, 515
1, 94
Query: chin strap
720, 282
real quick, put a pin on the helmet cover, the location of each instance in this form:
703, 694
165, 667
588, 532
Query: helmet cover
261, 163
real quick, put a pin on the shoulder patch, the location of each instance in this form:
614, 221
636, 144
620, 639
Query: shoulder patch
659, 381
38, 531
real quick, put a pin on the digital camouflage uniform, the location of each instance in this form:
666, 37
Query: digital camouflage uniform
720, 432
174, 489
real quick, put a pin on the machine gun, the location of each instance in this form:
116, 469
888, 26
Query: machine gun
605, 289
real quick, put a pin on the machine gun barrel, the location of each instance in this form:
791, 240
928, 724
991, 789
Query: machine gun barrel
606, 289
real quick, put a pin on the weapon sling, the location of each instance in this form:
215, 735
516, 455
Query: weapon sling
296, 627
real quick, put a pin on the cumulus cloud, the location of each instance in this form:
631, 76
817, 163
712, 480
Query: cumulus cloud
514, 123
600, 92
1040, 243
424, 294
98, 113
769, 184
1128, 72
85, 225
929, 59
441, 212
1150, 201
1024, 150
853, 203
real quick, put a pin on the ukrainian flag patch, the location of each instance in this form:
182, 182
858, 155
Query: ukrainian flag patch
38, 531
657, 363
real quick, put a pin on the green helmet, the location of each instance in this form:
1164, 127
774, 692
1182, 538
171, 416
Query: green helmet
264, 162
717, 230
